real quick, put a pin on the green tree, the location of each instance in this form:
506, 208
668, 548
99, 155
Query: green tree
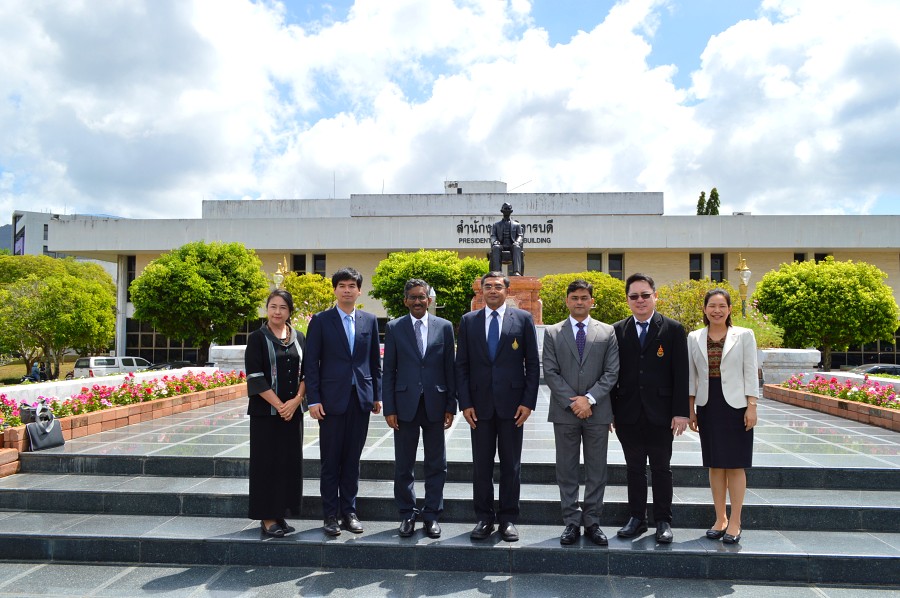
701, 204
683, 301
201, 292
829, 304
57, 314
450, 277
712, 206
609, 296
312, 293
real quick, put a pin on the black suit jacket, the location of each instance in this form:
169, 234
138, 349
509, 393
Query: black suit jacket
408, 375
653, 380
497, 387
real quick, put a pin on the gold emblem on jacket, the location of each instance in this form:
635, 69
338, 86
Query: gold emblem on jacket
660, 352
515, 344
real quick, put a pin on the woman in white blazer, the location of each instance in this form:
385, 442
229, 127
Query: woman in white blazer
724, 388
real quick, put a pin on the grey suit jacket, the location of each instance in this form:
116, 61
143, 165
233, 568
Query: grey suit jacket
567, 376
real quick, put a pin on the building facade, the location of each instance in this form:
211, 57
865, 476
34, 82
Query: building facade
617, 233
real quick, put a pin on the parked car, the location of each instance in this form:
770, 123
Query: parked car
875, 369
171, 365
89, 367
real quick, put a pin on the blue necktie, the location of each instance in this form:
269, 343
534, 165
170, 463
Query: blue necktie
419, 343
493, 338
580, 339
348, 329
642, 337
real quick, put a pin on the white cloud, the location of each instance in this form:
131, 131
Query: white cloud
145, 108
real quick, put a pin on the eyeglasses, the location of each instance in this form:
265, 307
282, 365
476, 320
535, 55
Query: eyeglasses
417, 297
493, 287
636, 296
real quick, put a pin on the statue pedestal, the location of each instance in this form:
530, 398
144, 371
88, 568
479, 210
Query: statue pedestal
524, 293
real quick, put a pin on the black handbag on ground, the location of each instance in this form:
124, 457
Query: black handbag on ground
45, 431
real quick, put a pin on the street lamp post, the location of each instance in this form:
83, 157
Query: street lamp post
744, 273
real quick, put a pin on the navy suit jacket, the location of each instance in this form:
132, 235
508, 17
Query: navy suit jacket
331, 367
408, 375
653, 380
507, 382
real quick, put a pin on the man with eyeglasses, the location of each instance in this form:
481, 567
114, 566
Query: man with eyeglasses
650, 404
419, 392
497, 372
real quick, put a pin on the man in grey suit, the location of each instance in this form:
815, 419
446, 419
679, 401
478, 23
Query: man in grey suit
419, 392
581, 365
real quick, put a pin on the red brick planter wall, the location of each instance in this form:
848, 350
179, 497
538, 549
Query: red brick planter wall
861, 412
76, 426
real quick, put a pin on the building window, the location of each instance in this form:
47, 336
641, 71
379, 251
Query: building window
799, 257
617, 265
595, 262
319, 264
46, 231
820, 257
696, 266
298, 263
19, 243
717, 267
130, 273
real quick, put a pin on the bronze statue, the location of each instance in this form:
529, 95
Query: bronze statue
506, 235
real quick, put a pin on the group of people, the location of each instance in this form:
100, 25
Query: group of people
643, 378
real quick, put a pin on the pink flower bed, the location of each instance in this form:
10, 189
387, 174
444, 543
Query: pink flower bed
870, 391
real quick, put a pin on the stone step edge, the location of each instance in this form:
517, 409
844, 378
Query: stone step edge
232, 467
699, 558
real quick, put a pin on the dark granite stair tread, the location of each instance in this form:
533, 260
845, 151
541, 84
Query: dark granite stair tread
453, 490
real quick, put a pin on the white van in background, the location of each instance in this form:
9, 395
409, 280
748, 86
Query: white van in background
90, 367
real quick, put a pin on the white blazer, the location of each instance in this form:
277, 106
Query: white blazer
738, 367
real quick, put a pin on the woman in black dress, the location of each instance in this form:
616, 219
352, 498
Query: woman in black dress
273, 362
724, 388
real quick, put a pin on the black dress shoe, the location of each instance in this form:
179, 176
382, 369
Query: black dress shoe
634, 527
729, 539
407, 527
570, 534
715, 534
664, 533
432, 529
288, 529
352, 523
482, 530
331, 527
596, 535
509, 532
274, 530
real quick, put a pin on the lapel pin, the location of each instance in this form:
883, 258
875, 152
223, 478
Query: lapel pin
660, 352
515, 344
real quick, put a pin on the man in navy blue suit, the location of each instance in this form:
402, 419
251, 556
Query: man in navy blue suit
419, 393
343, 386
497, 372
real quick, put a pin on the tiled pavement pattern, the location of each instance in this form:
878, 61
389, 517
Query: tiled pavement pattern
824, 498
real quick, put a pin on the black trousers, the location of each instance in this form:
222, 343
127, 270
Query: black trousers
406, 443
341, 441
643, 442
489, 437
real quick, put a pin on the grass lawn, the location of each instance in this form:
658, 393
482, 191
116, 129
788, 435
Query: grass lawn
16, 370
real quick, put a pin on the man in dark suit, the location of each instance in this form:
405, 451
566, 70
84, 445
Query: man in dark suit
419, 393
497, 373
581, 365
650, 404
343, 386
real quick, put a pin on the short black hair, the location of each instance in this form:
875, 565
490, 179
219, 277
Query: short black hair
496, 274
284, 295
637, 277
413, 283
578, 285
347, 273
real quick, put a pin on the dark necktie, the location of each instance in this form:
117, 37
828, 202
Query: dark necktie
642, 337
579, 340
493, 338
419, 343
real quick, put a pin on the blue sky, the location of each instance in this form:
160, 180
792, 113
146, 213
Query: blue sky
152, 106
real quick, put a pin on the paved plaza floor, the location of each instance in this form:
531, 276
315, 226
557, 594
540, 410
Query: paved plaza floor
786, 436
